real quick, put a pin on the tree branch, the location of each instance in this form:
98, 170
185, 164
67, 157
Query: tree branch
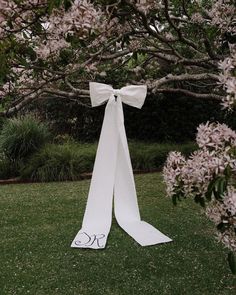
183, 77
17, 107
177, 29
190, 93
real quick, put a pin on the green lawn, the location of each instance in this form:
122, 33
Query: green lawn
39, 221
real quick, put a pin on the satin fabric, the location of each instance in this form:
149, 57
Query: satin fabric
113, 175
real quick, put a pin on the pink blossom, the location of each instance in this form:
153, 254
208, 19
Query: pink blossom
172, 171
191, 177
147, 5
197, 18
227, 78
215, 136
225, 212
51, 47
222, 14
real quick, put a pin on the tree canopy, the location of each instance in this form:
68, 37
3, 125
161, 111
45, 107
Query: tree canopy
52, 48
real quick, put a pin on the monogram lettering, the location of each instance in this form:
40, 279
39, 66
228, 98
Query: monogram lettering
89, 240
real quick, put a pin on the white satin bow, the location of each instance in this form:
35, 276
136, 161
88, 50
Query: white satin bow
133, 95
113, 175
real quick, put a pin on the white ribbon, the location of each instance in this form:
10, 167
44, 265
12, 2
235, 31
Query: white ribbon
112, 174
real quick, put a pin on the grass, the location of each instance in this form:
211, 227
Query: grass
39, 221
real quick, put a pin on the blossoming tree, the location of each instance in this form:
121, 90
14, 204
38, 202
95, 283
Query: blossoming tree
52, 48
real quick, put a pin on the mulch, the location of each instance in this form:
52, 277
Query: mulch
83, 176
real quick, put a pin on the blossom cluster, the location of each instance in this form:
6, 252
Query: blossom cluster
22, 80
228, 79
215, 136
223, 214
80, 19
147, 5
20, 14
191, 177
222, 14
53, 34
172, 171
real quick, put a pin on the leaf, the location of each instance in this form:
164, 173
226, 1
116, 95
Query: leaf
222, 226
53, 4
232, 262
210, 189
67, 4
135, 55
125, 40
174, 199
200, 200
219, 187
222, 185
227, 172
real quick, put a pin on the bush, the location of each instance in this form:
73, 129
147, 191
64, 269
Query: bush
63, 138
169, 117
21, 137
59, 162
67, 161
152, 156
8, 169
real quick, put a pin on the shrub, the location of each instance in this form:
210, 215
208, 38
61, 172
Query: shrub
21, 137
67, 161
151, 156
59, 162
8, 169
63, 138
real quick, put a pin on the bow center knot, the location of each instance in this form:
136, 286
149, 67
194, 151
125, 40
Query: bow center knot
116, 92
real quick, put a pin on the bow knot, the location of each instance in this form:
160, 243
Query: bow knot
133, 95
116, 92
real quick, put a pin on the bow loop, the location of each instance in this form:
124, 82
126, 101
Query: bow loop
133, 95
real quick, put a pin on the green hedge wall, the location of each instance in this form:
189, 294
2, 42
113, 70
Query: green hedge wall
169, 118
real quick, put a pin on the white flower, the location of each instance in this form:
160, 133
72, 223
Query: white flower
225, 212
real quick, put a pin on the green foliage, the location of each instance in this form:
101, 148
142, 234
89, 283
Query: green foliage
66, 161
137, 59
217, 188
21, 137
8, 169
59, 162
172, 118
232, 262
169, 118
63, 138
56, 4
151, 156
200, 200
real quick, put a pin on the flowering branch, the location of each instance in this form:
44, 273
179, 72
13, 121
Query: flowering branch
208, 176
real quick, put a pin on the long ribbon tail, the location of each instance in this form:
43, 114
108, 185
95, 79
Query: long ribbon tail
98, 214
125, 197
